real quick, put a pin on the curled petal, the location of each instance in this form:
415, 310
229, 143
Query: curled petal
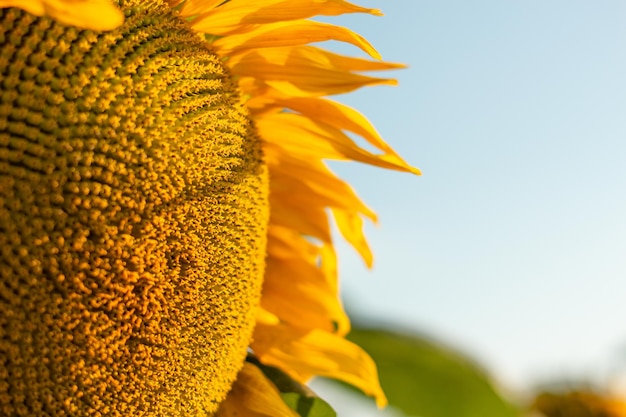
350, 225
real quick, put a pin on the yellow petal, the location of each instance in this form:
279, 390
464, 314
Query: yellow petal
298, 32
285, 245
350, 225
194, 8
253, 395
329, 112
264, 316
329, 266
87, 14
303, 354
307, 71
311, 221
236, 16
309, 187
297, 290
346, 63
303, 138
286, 242
337, 115
314, 57
311, 183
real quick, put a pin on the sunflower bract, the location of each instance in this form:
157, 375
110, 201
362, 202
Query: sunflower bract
133, 217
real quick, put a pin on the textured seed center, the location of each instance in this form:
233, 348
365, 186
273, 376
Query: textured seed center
133, 208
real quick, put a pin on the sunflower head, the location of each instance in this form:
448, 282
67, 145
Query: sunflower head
164, 204
579, 404
134, 216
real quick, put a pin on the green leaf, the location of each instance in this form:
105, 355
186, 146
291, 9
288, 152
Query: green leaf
297, 396
426, 379
308, 406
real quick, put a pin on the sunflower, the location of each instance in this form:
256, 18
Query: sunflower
579, 403
165, 247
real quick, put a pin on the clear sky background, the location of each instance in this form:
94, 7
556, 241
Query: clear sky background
512, 245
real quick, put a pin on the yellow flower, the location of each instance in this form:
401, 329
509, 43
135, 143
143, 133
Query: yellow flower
583, 403
164, 204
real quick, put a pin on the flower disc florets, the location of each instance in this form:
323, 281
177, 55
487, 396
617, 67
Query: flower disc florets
133, 213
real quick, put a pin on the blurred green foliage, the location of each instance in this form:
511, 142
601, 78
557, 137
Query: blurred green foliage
423, 378
308, 406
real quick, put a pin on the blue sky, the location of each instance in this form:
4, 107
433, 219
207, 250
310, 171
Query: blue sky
512, 245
